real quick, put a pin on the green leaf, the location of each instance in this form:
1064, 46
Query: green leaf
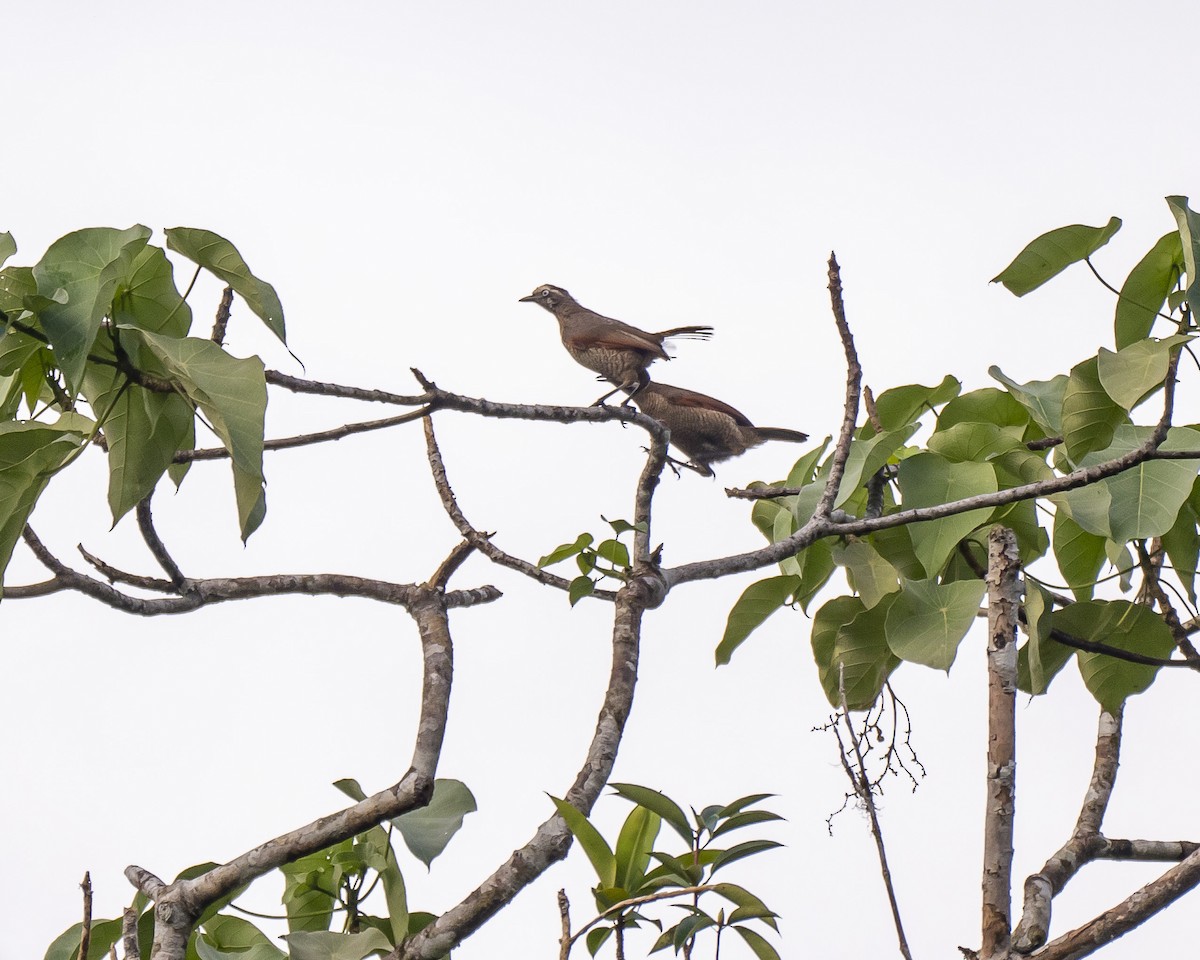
755, 941
741, 803
1146, 289
327, 945
1182, 543
232, 938
311, 888
1079, 555
740, 851
757, 602
566, 550
972, 441
148, 298
603, 861
579, 588
869, 574
660, 803
349, 786
596, 938
1138, 370
847, 635
624, 526
927, 620
86, 266
986, 405
29, 453
634, 843
615, 552
1042, 398
427, 831
927, 480
866, 457
232, 394
747, 819
1090, 415
1052, 253
900, 406
104, 934
1141, 502
749, 907
1189, 235
220, 257
1117, 623
1041, 658
8, 246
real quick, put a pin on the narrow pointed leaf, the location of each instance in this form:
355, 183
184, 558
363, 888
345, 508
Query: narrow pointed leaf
660, 803
603, 860
1146, 290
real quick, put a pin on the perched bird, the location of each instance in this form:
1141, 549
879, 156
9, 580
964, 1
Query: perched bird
615, 350
703, 427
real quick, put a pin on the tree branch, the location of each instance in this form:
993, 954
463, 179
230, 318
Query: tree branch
552, 839
1004, 598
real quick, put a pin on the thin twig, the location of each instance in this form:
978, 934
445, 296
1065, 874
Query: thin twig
221, 323
157, 548
85, 934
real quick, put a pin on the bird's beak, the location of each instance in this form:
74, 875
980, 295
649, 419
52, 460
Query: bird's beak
528, 299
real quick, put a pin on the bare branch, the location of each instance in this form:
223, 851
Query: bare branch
1082, 848
1004, 598
129, 934
317, 388
564, 914
453, 561
221, 323
841, 452
85, 933
478, 539
552, 839
117, 575
866, 794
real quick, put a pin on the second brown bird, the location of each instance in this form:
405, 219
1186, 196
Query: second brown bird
620, 353
702, 427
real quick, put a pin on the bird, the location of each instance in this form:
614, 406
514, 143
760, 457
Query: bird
702, 427
620, 353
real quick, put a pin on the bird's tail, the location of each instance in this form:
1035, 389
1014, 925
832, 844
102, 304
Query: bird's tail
781, 433
687, 333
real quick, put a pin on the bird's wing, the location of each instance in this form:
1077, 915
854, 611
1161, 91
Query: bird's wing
680, 397
621, 336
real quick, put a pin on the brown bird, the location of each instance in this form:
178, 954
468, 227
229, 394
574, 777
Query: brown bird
703, 427
615, 350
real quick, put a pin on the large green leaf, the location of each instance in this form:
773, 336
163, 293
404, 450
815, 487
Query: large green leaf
848, 640
1146, 289
1052, 253
8, 246
1041, 658
29, 453
1138, 370
927, 621
148, 297
232, 394
220, 257
927, 480
103, 935
311, 889
1079, 555
76, 281
757, 602
1042, 398
329, 945
986, 405
1189, 235
1141, 502
427, 831
1182, 543
973, 441
232, 938
1117, 623
758, 945
869, 574
900, 406
1090, 415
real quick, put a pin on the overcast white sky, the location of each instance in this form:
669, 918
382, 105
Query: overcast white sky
403, 173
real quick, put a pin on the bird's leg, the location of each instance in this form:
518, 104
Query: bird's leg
676, 464
631, 388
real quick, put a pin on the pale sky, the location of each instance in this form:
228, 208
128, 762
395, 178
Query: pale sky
402, 173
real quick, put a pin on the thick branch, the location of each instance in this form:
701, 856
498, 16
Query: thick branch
178, 905
552, 839
1131, 912
1004, 599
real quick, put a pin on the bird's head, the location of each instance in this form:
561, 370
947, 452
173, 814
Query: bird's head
548, 296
